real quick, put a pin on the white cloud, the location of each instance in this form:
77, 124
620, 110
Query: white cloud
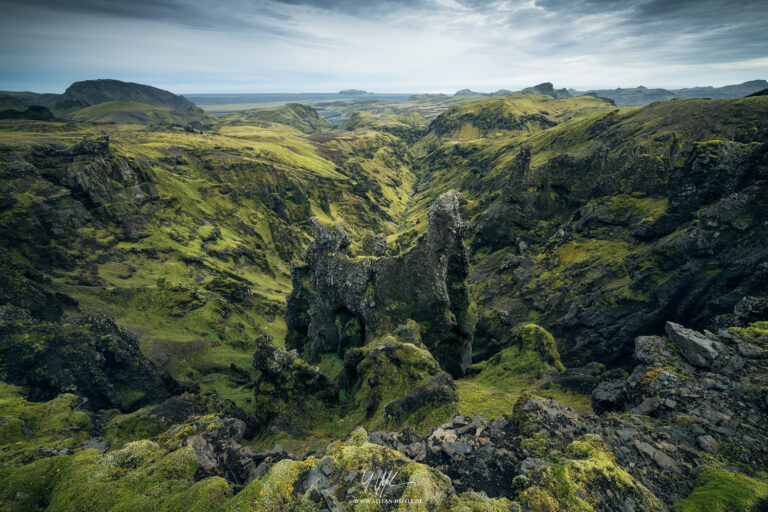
436, 46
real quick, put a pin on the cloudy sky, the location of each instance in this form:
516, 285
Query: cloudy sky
190, 46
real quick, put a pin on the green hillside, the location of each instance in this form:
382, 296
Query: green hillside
203, 313
303, 118
131, 112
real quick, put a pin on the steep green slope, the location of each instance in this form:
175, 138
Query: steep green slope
510, 115
187, 239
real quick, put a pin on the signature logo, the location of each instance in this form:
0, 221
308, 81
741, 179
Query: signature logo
379, 481
380, 484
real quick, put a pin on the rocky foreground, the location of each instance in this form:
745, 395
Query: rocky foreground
694, 405
687, 428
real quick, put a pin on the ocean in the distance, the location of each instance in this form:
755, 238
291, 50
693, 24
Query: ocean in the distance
279, 97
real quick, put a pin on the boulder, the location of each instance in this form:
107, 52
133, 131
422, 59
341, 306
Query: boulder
610, 395
698, 349
288, 391
436, 391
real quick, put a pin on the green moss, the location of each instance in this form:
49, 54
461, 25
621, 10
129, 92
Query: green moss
576, 481
756, 332
537, 445
36, 479
28, 426
492, 387
719, 490
389, 369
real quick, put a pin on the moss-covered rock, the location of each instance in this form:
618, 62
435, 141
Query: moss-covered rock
90, 356
586, 478
393, 383
337, 299
289, 391
720, 490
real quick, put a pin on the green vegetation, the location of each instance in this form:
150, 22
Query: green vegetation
720, 490
132, 112
28, 426
303, 118
573, 481
756, 332
492, 387
184, 229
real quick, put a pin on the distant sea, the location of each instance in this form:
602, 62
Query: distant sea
279, 97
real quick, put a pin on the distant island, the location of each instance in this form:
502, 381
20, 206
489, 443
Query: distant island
354, 92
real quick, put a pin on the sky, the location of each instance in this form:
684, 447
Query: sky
197, 46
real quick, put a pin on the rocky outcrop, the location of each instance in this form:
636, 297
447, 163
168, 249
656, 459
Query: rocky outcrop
439, 390
94, 170
219, 452
513, 457
290, 394
680, 416
605, 249
74, 186
50, 352
338, 302
89, 356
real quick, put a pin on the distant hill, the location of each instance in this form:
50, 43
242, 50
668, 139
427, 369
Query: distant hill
303, 118
467, 92
32, 98
634, 96
543, 89
725, 92
94, 92
640, 96
8, 102
134, 112
547, 89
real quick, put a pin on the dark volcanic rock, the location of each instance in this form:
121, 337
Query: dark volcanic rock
680, 416
179, 409
51, 353
338, 302
89, 356
689, 259
610, 395
697, 349
437, 390
215, 441
289, 391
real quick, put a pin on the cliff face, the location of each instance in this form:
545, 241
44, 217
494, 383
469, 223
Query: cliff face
602, 229
339, 302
